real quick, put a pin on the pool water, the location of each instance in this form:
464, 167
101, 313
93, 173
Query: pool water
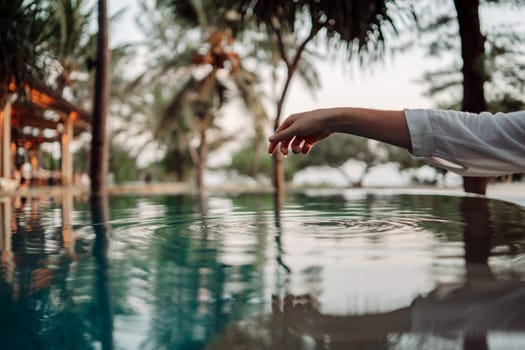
329, 270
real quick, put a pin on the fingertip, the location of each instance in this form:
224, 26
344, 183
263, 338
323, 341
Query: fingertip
284, 146
306, 148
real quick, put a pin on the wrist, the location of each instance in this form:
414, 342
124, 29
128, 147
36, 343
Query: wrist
338, 119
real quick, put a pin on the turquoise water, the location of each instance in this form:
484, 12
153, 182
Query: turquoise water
345, 270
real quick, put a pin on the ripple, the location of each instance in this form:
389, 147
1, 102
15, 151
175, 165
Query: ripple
360, 226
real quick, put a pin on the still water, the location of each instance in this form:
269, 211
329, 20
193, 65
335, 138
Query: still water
345, 270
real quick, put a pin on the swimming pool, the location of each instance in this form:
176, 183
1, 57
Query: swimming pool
330, 270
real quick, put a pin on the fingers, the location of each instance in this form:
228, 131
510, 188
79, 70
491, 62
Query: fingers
307, 146
302, 145
285, 131
280, 136
272, 146
290, 133
297, 145
284, 146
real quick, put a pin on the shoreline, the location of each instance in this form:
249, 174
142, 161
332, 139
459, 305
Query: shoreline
512, 191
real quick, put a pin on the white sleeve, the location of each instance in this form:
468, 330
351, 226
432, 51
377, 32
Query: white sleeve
469, 144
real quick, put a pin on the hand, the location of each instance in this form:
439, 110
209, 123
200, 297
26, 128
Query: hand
302, 131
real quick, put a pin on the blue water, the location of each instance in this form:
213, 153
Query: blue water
352, 269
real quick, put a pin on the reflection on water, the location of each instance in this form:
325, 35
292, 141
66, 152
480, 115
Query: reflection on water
340, 271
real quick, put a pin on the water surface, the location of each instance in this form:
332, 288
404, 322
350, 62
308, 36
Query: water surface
343, 270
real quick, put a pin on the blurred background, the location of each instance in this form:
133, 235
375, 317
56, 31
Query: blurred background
197, 86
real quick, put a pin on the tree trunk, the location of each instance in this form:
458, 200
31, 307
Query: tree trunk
178, 161
472, 52
203, 154
278, 173
256, 156
99, 153
291, 66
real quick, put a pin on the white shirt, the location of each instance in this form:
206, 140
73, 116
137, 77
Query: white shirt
469, 144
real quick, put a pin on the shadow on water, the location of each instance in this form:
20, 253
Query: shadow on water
195, 272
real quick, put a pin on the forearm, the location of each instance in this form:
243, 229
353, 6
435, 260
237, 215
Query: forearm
388, 126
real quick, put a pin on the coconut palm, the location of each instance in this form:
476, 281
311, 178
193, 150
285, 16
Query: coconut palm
204, 70
197, 102
24, 29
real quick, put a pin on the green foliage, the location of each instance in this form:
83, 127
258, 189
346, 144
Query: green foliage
122, 164
337, 149
24, 28
81, 159
202, 13
243, 161
48, 162
72, 19
178, 163
72, 45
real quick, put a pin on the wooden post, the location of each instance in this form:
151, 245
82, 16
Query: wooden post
67, 161
5, 143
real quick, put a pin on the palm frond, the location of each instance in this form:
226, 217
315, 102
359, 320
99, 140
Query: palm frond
24, 29
178, 113
360, 26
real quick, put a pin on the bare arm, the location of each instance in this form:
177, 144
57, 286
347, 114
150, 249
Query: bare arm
301, 131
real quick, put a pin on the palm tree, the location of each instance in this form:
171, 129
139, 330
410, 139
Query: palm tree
198, 100
205, 74
360, 26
